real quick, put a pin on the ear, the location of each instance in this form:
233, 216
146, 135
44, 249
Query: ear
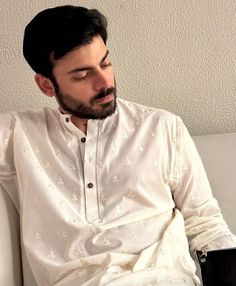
45, 85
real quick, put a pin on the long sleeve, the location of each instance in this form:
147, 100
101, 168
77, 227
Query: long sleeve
7, 170
204, 223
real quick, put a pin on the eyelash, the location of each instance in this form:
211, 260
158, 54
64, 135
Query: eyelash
81, 78
103, 66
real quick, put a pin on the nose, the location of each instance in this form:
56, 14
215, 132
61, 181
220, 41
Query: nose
102, 80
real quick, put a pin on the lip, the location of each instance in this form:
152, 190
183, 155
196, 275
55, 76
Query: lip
105, 99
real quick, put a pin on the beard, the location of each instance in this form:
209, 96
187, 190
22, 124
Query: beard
88, 110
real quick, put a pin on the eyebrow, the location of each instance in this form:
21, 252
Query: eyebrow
88, 67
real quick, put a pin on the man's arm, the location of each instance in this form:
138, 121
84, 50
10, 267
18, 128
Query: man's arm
10, 258
7, 169
205, 226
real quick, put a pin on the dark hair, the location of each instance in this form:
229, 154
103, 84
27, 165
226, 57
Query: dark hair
55, 31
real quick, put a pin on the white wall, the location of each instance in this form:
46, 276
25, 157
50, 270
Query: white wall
178, 55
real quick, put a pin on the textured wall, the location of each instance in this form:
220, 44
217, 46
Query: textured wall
176, 55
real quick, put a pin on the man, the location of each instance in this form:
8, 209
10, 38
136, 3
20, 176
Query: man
108, 190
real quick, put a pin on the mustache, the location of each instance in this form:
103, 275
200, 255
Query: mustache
104, 93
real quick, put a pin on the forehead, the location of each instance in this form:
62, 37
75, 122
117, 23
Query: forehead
86, 55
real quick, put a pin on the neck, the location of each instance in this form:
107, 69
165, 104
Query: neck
80, 123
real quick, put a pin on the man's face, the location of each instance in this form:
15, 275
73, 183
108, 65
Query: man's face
85, 84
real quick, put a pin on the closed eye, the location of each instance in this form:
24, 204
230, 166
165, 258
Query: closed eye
105, 65
80, 78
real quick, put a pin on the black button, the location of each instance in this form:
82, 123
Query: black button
90, 185
67, 119
83, 139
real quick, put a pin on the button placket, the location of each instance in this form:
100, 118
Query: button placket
92, 207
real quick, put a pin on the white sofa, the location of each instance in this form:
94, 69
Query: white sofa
218, 153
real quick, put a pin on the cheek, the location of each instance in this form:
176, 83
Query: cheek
83, 93
74, 88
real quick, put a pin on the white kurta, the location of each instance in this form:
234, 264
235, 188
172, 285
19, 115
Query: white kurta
112, 207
